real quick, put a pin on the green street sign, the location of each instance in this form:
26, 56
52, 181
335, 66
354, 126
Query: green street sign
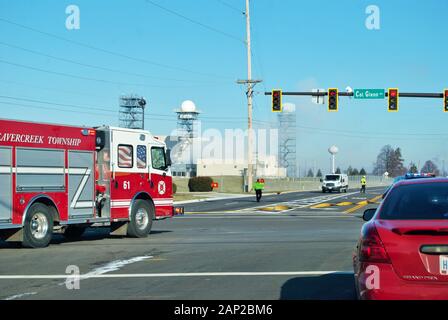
368, 94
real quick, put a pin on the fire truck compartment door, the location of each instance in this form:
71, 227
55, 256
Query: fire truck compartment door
81, 197
5, 184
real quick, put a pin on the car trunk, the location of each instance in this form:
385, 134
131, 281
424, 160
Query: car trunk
418, 249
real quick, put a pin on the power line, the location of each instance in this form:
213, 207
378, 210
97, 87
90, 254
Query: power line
151, 116
373, 133
195, 21
95, 79
72, 75
94, 66
52, 109
362, 134
228, 5
105, 113
377, 137
121, 55
56, 103
51, 89
102, 108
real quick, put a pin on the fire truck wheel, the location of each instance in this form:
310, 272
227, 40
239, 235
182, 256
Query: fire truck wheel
38, 227
74, 232
141, 219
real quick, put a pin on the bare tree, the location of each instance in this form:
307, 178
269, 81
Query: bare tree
389, 160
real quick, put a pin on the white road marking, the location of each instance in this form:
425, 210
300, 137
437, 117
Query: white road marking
302, 203
322, 199
95, 273
18, 296
171, 275
5, 169
114, 266
109, 267
230, 203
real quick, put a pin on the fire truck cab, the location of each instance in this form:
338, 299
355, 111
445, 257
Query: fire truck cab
64, 179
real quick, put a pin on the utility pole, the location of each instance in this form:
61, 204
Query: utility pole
250, 85
249, 101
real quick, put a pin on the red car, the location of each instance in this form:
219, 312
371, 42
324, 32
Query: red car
402, 252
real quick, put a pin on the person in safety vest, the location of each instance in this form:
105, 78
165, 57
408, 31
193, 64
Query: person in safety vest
258, 187
363, 184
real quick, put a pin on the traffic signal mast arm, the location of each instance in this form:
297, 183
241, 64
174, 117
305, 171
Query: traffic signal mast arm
350, 94
392, 95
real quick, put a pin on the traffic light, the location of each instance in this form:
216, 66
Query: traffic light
276, 100
333, 99
445, 100
392, 98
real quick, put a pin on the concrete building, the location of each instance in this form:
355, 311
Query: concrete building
269, 168
265, 168
211, 168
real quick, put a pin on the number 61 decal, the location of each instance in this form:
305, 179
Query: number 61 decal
126, 185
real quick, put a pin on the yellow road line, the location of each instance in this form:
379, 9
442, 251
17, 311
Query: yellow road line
282, 207
322, 205
362, 204
345, 203
277, 208
329, 204
266, 209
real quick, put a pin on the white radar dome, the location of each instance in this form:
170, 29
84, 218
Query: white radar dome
188, 106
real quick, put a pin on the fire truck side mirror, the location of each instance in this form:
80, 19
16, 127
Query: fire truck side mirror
100, 140
168, 158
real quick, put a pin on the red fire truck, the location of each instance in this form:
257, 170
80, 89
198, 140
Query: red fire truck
56, 178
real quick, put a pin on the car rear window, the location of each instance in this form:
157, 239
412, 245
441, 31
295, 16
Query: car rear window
426, 201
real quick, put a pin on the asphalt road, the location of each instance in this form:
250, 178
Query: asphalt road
234, 251
297, 200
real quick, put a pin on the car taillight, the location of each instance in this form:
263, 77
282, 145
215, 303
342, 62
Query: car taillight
372, 248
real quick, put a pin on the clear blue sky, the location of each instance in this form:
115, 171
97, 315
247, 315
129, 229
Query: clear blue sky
298, 45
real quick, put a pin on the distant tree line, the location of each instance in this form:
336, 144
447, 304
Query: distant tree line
389, 160
350, 171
